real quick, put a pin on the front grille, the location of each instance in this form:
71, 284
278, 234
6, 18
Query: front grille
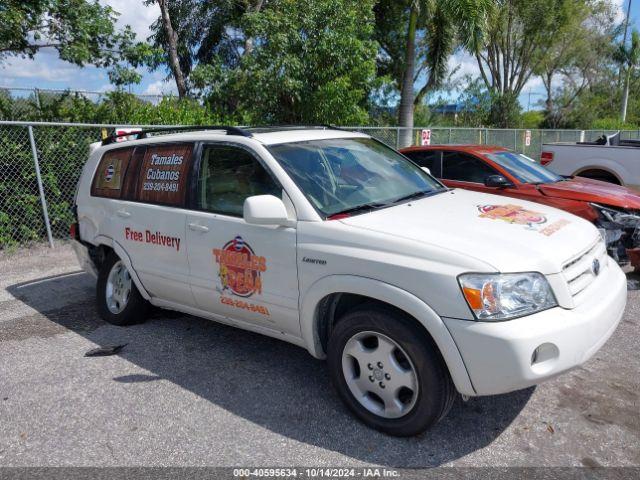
579, 272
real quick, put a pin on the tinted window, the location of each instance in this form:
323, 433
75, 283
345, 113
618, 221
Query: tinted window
163, 174
228, 175
465, 168
341, 174
432, 159
524, 168
109, 177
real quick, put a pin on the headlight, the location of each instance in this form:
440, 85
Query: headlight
624, 219
503, 296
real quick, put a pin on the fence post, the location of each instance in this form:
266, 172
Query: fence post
397, 138
43, 201
449, 136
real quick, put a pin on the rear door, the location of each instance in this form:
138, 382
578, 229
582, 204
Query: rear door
247, 273
151, 217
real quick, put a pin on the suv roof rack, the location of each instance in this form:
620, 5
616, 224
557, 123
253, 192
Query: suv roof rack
143, 133
275, 128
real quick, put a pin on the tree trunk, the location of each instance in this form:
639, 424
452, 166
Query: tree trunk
172, 47
405, 113
625, 95
248, 42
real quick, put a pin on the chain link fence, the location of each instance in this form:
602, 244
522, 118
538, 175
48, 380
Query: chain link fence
19, 103
40, 164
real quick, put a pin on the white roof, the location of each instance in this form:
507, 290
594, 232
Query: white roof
287, 136
271, 137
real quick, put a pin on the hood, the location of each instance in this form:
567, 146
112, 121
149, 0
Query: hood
510, 235
587, 190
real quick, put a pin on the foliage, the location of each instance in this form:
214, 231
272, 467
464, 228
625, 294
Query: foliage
309, 63
81, 31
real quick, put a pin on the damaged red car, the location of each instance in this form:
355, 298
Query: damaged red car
615, 210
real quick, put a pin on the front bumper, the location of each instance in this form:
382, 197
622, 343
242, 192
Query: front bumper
504, 356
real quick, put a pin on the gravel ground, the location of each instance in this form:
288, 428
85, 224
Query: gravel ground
189, 392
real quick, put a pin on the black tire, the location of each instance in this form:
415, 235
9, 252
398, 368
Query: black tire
136, 309
436, 392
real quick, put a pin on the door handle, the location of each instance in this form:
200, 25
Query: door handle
123, 213
198, 228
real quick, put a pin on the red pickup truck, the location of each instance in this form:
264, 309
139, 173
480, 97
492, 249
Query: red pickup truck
614, 209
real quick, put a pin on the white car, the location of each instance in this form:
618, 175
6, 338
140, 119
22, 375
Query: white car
335, 242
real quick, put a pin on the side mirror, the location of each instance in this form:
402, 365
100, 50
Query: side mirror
265, 210
426, 169
497, 181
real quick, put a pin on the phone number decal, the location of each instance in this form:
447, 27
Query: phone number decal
252, 307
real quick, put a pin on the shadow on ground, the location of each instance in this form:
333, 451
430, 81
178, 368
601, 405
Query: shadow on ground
268, 382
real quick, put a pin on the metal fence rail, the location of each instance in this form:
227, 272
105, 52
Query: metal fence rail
40, 164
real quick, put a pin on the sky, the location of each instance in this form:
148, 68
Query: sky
46, 70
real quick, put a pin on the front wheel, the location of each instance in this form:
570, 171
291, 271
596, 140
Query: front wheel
388, 371
119, 301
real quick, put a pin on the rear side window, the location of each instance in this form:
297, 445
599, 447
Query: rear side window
228, 175
109, 177
432, 159
465, 168
163, 174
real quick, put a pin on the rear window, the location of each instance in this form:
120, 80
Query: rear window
109, 177
163, 174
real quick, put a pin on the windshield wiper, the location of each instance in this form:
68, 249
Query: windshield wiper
418, 194
358, 209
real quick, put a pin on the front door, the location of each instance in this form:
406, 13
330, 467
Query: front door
244, 272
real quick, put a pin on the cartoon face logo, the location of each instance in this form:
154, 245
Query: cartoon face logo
240, 269
109, 172
512, 214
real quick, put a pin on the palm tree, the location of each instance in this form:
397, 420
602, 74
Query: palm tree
629, 58
432, 31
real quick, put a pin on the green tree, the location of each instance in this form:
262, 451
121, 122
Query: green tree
629, 58
81, 31
308, 63
416, 38
580, 53
196, 34
521, 34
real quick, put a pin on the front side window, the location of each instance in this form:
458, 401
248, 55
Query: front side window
524, 168
432, 159
345, 175
229, 175
465, 168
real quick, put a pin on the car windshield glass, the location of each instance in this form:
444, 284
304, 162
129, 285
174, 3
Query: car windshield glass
350, 175
524, 168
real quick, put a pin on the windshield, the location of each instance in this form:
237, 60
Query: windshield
347, 175
524, 168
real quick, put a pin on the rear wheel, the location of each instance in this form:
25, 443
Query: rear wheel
388, 371
601, 175
119, 301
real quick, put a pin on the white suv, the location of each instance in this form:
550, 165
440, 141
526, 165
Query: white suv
335, 242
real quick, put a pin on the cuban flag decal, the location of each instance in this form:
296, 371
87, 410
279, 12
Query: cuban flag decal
238, 243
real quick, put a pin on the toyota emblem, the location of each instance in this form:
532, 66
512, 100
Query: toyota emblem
595, 267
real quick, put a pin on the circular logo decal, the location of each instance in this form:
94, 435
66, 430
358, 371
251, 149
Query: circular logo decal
240, 268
